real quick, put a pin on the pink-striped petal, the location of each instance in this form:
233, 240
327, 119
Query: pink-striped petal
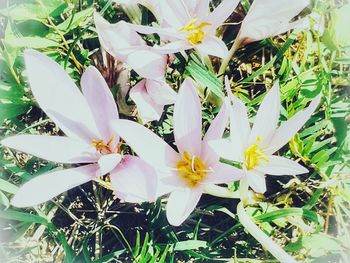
188, 119
56, 92
134, 180
101, 102
53, 148
160, 92
147, 108
45, 187
108, 162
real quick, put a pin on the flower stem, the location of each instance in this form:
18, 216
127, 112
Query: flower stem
260, 236
225, 62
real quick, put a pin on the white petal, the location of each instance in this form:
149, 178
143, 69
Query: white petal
53, 148
188, 119
214, 46
256, 181
44, 187
277, 165
146, 144
289, 128
226, 149
108, 162
181, 203
239, 122
266, 119
57, 95
160, 92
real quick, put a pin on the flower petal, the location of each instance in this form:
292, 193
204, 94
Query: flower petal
44, 187
222, 12
148, 64
266, 119
101, 101
256, 181
227, 150
53, 148
215, 131
214, 46
181, 203
201, 10
118, 39
55, 91
277, 165
134, 180
175, 13
188, 119
239, 123
146, 144
108, 162
147, 108
160, 92
289, 128
223, 173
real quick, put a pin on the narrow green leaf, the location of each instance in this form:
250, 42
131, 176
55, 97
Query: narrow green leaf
8, 187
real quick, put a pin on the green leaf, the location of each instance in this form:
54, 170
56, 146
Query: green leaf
23, 217
75, 20
11, 110
205, 77
33, 42
190, 245
8, 187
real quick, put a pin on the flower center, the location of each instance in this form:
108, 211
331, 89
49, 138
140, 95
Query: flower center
195, 33
254, 155
104, 148
191, 169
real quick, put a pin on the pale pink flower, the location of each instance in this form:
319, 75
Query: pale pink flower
254, 147
188, 24
85, 119
187, 172
151, 94
267, 18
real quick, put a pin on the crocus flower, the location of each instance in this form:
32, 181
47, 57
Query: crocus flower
187, 172
85, 119
254, 147
267, 18
189, 24
152, 93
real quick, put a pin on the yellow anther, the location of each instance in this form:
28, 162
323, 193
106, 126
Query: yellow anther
254, 155
102, 147
191, 169
195, 33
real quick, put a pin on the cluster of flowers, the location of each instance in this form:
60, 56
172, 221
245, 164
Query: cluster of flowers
93, 130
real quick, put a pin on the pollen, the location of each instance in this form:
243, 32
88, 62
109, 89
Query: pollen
191, 169
102, 147
195, 31
254, 155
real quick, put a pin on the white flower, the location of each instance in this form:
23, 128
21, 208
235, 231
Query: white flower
254, 147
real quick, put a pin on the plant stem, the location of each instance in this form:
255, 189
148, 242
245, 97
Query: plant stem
260, 236
225, 62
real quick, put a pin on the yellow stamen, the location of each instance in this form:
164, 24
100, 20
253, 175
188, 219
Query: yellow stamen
254, 155
191, 169
195, 33
102, 147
